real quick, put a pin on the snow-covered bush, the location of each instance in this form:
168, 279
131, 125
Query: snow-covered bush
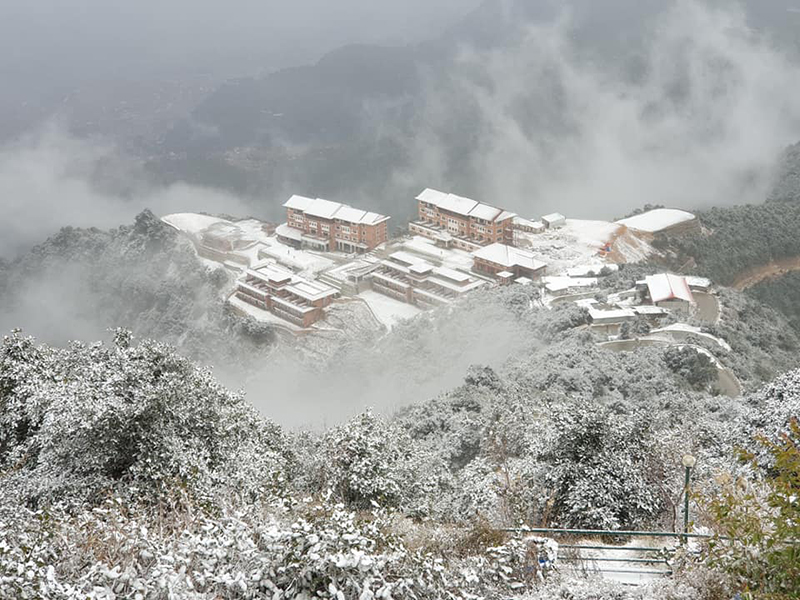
604, 471
365, 462
87, 419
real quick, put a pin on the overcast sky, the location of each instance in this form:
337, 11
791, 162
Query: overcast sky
99, 37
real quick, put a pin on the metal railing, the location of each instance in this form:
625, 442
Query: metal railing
655, 556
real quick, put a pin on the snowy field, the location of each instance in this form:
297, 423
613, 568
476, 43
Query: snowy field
388, 310
575, 245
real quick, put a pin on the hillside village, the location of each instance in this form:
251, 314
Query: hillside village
329, 256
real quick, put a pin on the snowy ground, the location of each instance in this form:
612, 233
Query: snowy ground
388, 310
609, 562
576, 245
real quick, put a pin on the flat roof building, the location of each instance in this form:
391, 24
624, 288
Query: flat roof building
411, 279
289, 296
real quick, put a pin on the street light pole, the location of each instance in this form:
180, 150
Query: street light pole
688, 463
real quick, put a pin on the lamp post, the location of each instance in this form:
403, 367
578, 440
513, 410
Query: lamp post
688, 464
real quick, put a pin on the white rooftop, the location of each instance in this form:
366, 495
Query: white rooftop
553, 218
657, 220
284, 230
618, 313
325, 209
666, 286
463, 206
508, 256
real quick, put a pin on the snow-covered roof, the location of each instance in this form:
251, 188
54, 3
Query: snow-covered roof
505, 274
191, 222
452, 274
431, 196
617, 314
463, 206
657, 219
666, 286
508, 256
523, 281
485, 212
298, 202
348, 213
554, 218
311, 290
325, 209
421, 268
284, 230
523, 222
698, 282
405, 258
559, 283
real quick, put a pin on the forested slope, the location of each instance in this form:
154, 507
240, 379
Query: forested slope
145, 277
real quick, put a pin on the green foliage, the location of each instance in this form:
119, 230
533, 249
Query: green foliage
781, 293
759, 526
742, 237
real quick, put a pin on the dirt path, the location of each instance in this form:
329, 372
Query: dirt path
751, 277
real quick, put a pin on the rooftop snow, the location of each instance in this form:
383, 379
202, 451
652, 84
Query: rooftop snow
191, 222
666, 286
657, 220
553, 217
620, 313
485, 212
452, 275
284, 230
463, 206
560, 283
298, 202
325, 209
508, 256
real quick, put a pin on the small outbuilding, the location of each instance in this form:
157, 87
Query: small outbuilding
554, 220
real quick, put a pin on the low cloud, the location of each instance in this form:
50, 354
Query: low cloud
696, 118
50, 179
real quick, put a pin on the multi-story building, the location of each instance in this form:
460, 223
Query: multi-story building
456, 221
285, 294
506, 262
325, 225
411, 279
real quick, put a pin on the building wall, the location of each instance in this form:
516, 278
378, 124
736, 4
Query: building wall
491, 268
334, 229
482, 231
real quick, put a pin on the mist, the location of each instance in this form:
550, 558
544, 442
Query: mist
51, 179
697, 118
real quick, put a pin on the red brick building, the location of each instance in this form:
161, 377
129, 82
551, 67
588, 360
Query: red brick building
456, 221
285, 294
325, 225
